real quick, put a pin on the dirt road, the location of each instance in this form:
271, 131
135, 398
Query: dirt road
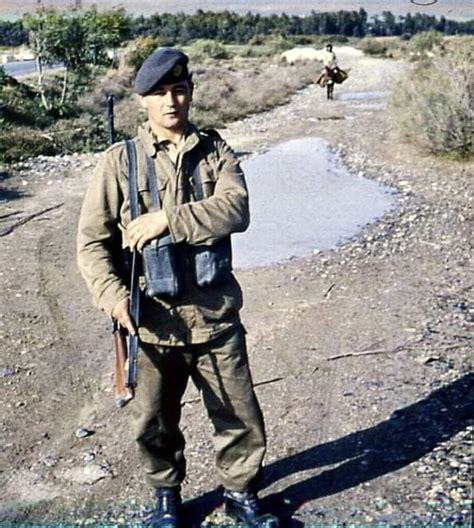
361, 354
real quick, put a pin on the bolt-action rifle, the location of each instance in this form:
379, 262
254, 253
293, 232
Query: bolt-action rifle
126, 357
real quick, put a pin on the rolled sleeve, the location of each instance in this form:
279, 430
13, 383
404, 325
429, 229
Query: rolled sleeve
225, 212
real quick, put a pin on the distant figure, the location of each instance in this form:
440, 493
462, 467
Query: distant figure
331, 73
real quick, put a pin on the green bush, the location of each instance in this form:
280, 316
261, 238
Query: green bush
18, 143
20, 105
372, 46
202, 49
422, 43
85, 134
433, 105
142, 48
3, 77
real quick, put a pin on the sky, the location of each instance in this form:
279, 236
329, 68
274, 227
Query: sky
448, 8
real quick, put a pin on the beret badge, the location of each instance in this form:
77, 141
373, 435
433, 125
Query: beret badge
177, 70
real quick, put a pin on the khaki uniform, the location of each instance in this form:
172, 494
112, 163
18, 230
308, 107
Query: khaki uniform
199, 315
196, 335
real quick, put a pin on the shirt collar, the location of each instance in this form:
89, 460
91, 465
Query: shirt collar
153, 144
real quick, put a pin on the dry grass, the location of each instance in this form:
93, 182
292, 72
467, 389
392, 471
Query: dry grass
433, 105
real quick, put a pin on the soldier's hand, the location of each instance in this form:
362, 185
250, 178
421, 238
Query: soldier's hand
121, 313
146, 227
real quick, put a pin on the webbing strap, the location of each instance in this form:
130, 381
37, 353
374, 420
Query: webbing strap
151, 177
155, 195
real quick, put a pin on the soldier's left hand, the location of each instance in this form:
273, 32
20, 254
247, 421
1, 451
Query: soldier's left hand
146, 227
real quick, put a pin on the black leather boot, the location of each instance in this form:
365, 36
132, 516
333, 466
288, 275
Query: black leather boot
242, 506
168, 508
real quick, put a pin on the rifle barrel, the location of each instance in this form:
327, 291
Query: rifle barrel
110, 119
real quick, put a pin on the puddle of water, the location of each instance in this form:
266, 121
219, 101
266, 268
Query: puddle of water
349, 96
303, 199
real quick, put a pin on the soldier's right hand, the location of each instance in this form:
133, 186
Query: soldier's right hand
121, 313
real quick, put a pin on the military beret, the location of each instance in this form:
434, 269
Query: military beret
165, 66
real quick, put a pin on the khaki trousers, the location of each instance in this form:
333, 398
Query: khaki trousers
220, 371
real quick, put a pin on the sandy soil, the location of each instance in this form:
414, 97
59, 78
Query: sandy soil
360, 354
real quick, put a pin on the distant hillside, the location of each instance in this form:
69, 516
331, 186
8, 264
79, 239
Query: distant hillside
448, 8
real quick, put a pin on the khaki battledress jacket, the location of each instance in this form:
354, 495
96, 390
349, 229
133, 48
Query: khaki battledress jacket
200, 314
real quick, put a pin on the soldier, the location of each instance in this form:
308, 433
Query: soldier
198, 332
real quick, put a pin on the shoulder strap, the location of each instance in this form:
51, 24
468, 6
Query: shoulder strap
151, 177
132, 178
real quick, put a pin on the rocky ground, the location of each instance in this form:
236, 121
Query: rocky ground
361, 355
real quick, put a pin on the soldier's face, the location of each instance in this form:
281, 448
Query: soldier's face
168, 105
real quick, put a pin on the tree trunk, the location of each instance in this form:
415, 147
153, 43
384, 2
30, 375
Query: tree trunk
64, 90
40, 70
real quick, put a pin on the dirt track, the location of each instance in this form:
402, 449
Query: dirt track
366, 349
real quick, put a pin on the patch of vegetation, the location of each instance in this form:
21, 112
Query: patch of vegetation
388, 47
134, 55
423, 43
202, 50
372, 46
433, 104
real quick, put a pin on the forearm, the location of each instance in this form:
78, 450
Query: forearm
209, 220
223, 211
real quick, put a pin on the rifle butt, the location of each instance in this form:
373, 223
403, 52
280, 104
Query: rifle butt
123, 393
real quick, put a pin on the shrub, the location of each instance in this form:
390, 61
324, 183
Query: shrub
422, 43
22, 142
66, 136
390, 47
371, 46
433, 105
3, 77
202, 49
20, 105
134, 57
116, 82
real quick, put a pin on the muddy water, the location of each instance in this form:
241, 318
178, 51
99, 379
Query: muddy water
303, 199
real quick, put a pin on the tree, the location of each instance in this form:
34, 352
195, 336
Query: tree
77, 41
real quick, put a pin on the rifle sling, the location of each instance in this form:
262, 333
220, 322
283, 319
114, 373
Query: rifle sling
134, 287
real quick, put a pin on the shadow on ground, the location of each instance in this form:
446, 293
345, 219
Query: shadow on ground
409, 434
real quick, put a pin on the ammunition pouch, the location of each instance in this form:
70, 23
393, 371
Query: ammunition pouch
163, 268
212, 264
165, 265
